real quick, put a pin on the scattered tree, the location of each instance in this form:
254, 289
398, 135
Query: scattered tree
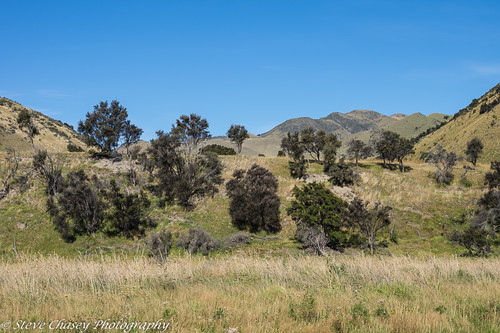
49, 170
190, 131
357, 150
474, 149
332, 144
131, 134
292, 146
183, 172
12, 173
127, 214
315, 206
237, 134
341, 174
255, 204
313, 142
104, 127
391, 146
78, 209
27, 125
369, 221
404, 148
444, 162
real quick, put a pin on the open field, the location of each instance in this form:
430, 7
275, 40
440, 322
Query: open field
252, 293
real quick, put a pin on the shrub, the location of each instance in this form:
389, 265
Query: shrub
237, 240
341, 174
219, 150
128, 213
315, 206
198, 240
72, 148
158, 244
255, 204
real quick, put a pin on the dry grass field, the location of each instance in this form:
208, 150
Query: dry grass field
254, 293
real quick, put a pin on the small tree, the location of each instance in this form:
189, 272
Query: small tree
78, 209
386, 144
127, 215
369, 221
27, 125
332, 144
315, 206
104, 127
357, 150
292, 146
131, 134
254, 204
182, 170
444, 162
404, 148
313, 142
12, 173
341, 174
474, 149
237, 134
49, 171
190, 131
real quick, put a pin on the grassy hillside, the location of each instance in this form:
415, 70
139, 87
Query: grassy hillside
480, 119
421, 211
408, 127
54, 135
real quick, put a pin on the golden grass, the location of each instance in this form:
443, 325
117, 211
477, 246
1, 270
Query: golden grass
251, 293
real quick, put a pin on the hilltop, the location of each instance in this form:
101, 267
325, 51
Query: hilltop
54, 135
480, 119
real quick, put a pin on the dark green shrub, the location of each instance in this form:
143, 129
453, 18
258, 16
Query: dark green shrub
74, 148
255, 204
219, 150
341, 174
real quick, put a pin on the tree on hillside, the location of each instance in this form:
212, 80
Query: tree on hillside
474, 149
404, 148
313, 142
391, 146
479, 232
131, 134
49, 171
444, 162
183, 171
317, 207
330, 148
369, 221
385, 145
238, 134
357, 150
13, 173
190, 131
341, 174
292, 146
255, 204
103, 127
79, 207
27, 125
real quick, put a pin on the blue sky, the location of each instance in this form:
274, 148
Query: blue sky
255, 63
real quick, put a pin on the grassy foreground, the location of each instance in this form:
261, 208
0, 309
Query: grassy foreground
245, 292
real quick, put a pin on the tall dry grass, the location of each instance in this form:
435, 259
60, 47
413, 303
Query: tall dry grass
252, 293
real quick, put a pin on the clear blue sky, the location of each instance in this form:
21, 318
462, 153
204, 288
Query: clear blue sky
255, 63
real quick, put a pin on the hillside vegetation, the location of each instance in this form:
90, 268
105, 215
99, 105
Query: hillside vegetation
54, 135
480, 119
